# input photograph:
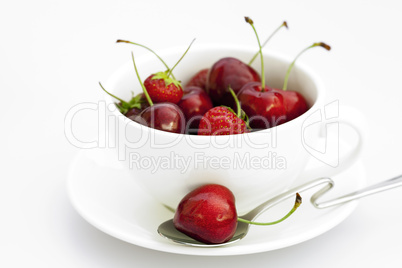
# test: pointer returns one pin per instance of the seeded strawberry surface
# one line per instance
(221, 121)
(163, 89)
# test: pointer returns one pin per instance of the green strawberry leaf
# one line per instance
(168, 80)
(135, 102)
(122, 108)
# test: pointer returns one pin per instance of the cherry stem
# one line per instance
(298, 202)
(320, 44)
(110, 94)
(267, 40)
(238, 107)
(250, 21)
(129, 42)
(142, 85)
(171, 70)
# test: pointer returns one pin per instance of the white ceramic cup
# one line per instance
(254, 166)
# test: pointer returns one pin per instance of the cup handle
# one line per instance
(334, 159)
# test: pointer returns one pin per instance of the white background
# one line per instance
(53, 53)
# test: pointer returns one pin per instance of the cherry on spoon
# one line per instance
(168, 230)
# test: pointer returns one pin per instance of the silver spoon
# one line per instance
(168, 230)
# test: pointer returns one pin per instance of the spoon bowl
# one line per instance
(170, 232)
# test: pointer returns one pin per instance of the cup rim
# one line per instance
(211, 46)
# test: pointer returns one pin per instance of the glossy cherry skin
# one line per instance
(264, 107)
(194, 104)
(133, 112)
(207, 214)
(199, 79)
(228, 72)
(163, 116)
(295, 104)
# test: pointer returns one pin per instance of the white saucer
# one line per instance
(103, 193)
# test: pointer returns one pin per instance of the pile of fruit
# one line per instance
(228, 98)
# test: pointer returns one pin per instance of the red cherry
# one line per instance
(207, 214)
(228, 72)
(194, 104)
(264, 106)
(163, 116)
(199, 79)
(133, 112)
(295, 104)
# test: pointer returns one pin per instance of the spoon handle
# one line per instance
(372, 189)
(292, 192)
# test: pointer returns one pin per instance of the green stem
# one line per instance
(171, 70)
(296, 205)
(268, 223)
(110, 94)
(267, 40)
(248, 20)
(238, 108)
(239, 113)
(285, 83)
(129, 42)
(142, 85)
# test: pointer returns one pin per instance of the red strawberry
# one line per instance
(162, 88)
(221, 121)
(199, 79)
